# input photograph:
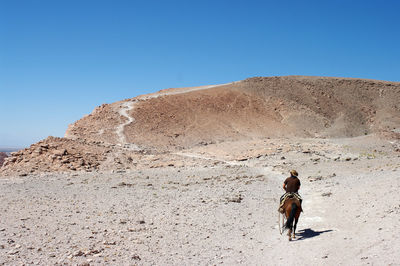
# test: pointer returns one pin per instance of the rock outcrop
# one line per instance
(55, 154)
(3, 156)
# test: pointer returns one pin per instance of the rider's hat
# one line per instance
(294, 173)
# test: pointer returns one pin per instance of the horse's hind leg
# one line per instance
(294, 227)
(290, 234)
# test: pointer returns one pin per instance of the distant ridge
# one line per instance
(10, 149)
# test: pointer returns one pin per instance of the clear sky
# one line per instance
(61, 59)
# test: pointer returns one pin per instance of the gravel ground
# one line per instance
(220, 214)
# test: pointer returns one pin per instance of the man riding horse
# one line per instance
(291, 186)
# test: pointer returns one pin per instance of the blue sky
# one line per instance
(61, 59)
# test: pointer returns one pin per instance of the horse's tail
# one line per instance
(289, 222)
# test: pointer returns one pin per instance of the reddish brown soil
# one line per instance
(200, 117)
(333, 107)
(267, 107)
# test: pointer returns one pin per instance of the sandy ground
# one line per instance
(223, 212)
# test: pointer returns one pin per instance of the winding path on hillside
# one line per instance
(123, 111)
(128, 106)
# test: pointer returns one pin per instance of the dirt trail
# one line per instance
(199, 156)
(123, 111)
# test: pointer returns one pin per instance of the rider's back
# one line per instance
(292, 184)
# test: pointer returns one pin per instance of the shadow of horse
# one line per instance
(309, 233)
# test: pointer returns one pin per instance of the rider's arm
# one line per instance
(285, 183)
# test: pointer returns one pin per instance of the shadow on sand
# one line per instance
(309, 233)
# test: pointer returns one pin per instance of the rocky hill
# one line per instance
(121, 134)
(252, 108)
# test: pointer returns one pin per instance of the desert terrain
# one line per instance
(193, 176)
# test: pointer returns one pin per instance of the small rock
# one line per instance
(13, 252)
(123, 184)
(236, 199)
(108, 243)
(79, 253)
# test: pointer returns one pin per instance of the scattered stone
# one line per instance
(78, 253)
(315, 178)
(237, 199)
(108, 243)
(123, 184)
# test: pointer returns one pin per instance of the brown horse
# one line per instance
(292, 210)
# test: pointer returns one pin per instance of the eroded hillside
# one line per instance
(256, 107)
